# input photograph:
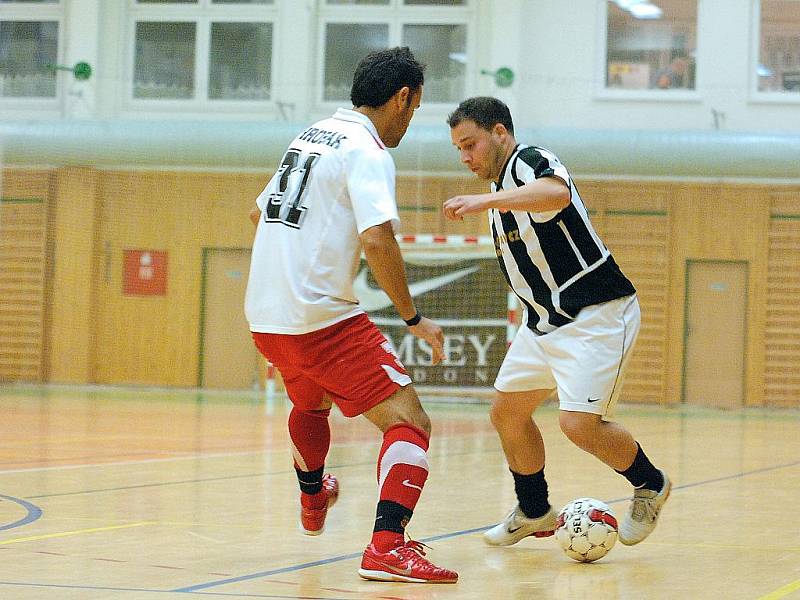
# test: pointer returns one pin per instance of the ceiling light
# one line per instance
(646, 10)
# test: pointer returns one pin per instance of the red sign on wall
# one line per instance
(144, 273)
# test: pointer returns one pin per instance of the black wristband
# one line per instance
(413, 320)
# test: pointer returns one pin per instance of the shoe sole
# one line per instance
(371, 575)
(305, 531)
(634, 542)
(536, 534)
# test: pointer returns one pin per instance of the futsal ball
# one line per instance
(586, 529)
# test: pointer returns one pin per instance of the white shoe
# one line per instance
(517, 526)
(642, 515)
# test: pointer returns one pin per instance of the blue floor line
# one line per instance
(210, 584)
(33, 513)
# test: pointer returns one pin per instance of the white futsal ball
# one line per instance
(586, 529)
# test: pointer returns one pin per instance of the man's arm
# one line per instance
(543, 195)
(386, 263)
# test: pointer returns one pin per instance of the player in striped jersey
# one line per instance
(582, 319)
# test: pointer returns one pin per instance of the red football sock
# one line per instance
(402, 472)
(311, 439)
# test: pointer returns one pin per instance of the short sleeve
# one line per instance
(261, 201)
(534, 163)
(371, 186)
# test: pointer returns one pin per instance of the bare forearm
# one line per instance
(386, 263)
(542, 195)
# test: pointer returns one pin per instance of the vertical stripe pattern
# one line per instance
(554, 262)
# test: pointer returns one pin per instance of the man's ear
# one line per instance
(403, 97)
(500, 130)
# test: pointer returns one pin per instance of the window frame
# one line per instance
(395, 15)
(202, 13)
(38, 13)
(603, 93)
(756, 95)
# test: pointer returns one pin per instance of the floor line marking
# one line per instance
(47, 536)
(151, 591)
(783, 591)
(33, 513)
(444, 536)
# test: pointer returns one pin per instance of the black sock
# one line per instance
(310, 481)
(532, 494)
(391, 516)
(642, 473)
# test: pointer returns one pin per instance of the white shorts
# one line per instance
(584, 360)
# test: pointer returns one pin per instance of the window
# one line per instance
(29, 48)
(202, 50)
(435, 30)
(778, 68)
(651, 44)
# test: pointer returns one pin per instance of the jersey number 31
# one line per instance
(285, 205)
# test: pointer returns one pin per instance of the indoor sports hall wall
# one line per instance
(66, 317)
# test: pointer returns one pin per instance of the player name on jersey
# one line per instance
(314, 135)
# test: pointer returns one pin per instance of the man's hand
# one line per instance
(456, 207)
(431, 333)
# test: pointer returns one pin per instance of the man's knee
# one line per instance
(401, 407)
(580, 428)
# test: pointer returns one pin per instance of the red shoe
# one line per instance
(404, 563)
(312, 520)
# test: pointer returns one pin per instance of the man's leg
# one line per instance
(402, 472)
(511, 415)
(615, 446)
(311, 438)
(309, 431)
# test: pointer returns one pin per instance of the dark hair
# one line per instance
(485, 111)
(381, 74)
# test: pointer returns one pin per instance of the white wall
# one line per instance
(562, 85)
(556, 50)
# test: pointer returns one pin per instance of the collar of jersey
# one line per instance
(353, 116)
(499, 183)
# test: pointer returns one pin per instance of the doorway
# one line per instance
(715, 333)
(228, 357)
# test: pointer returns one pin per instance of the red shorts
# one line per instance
(350, 361)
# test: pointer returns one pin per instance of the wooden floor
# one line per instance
(114, 493)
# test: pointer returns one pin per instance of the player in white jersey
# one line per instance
(581, 321)
(332, 196)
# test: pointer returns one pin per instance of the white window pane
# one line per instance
(242, 1)
(345, 45)
(26, 50)
(164, 60)
(779, 54)
(30, 1)
(241, 59)
(440, 47)
(651, 44)
(166, 1)
(358, 2)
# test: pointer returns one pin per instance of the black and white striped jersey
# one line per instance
(554, 262)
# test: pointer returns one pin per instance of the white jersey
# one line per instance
(335, 181)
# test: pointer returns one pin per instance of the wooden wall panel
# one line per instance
(640, 246)
(155, 339)
(719, 222)
(782, 351)
(24, 200)
(653, 228)
(72, 302)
